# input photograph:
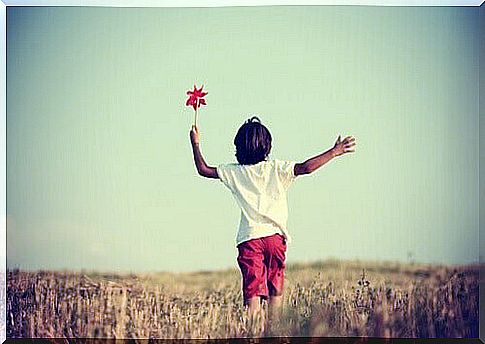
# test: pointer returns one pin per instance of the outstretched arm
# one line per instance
(202, 168)
(316, 162)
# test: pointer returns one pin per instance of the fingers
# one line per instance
(349, 139)
(349, 142)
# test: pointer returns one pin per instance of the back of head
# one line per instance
(253, 142)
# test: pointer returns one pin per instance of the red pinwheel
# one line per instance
(196, 99)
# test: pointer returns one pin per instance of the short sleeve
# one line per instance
(226, 175)
(286, 171)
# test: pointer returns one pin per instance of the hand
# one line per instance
(342, 147)
(194, 135)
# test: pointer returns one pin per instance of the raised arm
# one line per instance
(202, 168)
(316, 162)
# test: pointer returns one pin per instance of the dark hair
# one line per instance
(253, 142)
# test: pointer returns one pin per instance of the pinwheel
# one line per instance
(196, 99)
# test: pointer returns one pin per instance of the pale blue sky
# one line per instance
(100, 172)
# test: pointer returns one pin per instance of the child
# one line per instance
(259, 187)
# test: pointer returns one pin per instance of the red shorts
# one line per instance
(262, 264)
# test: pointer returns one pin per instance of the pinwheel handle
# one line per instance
(196, 110)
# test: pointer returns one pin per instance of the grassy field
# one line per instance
(330, 298)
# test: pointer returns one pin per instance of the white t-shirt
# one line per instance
(260, 191)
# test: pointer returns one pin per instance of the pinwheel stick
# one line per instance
(196, 108)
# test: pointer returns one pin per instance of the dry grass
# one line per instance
(331, 298)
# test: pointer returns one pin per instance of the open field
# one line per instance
(330, 298)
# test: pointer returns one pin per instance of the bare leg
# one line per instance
(275, 303)
(256, 315)
(274, 308)
(254, 305)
